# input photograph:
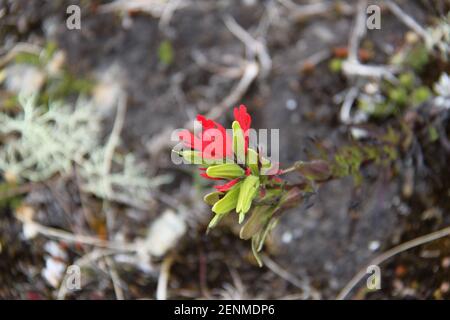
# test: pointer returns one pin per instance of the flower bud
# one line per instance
(252, 161)
(257, 221)
(228, 202)
(238, 143)
(249, 189)
(316, 170)
(225, 171)
(193, 157)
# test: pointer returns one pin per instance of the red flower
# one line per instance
(214, 143)
(227, 186)
(243, 117)
(245, 120)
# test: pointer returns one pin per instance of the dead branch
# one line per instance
(389, 254)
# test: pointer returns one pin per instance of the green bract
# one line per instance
(225, 171)
(212, 198)
(229, 201)
(194, 157)
(249, 190)
(252, 161)
(238, 143)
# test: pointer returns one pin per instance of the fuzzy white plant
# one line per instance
(439, 37)
(442, 89)
(38, 143)
(129, 184)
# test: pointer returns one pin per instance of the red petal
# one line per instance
(245, 120)
(206, 123)
(243, 117)
(189, 139)
(227, 186)
(226, 149)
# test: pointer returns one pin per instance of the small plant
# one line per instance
(251, 184)
(39, 142)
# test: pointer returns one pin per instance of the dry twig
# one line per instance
(389, 254)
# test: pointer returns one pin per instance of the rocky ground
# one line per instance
(317, 248)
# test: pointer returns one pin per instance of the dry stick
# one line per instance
(408, 20)
(358, 31)
(110, 148)
(70, 237)
(167, 13)
(17, 191)
(227, 72)
(302, 12)
(275, 268)
(163, 279)
(115, 279)
(81, 262)
(352, 66)
(251, 71)
(19, 48)
(389, 254)
(252, 45)
(350, 97)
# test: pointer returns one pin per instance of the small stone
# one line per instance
(446, 262)
(374, 245)
(53, 271)
(291, 104)
(286, 237)
(164, 233)
(412, 37)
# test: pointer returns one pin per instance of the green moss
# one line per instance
(165, 53)
(6, 201)
(417, 57)
(420, 95)
(335, 65)
(433, 134)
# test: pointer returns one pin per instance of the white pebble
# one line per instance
(291, 104)
(374, 245)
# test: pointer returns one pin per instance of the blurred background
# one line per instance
(90, 92)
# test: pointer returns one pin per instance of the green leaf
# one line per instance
(238, 142)
(249, 189)
(433, 134)
(225, 171)
(193, 157)
(259, 239)
(215, 221)
(212, 198)
(258, 219)
(407, 80)
(420, 95)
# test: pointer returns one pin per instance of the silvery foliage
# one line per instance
(442, 89)
(39, 143)
(127, 182)
(439, 37)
